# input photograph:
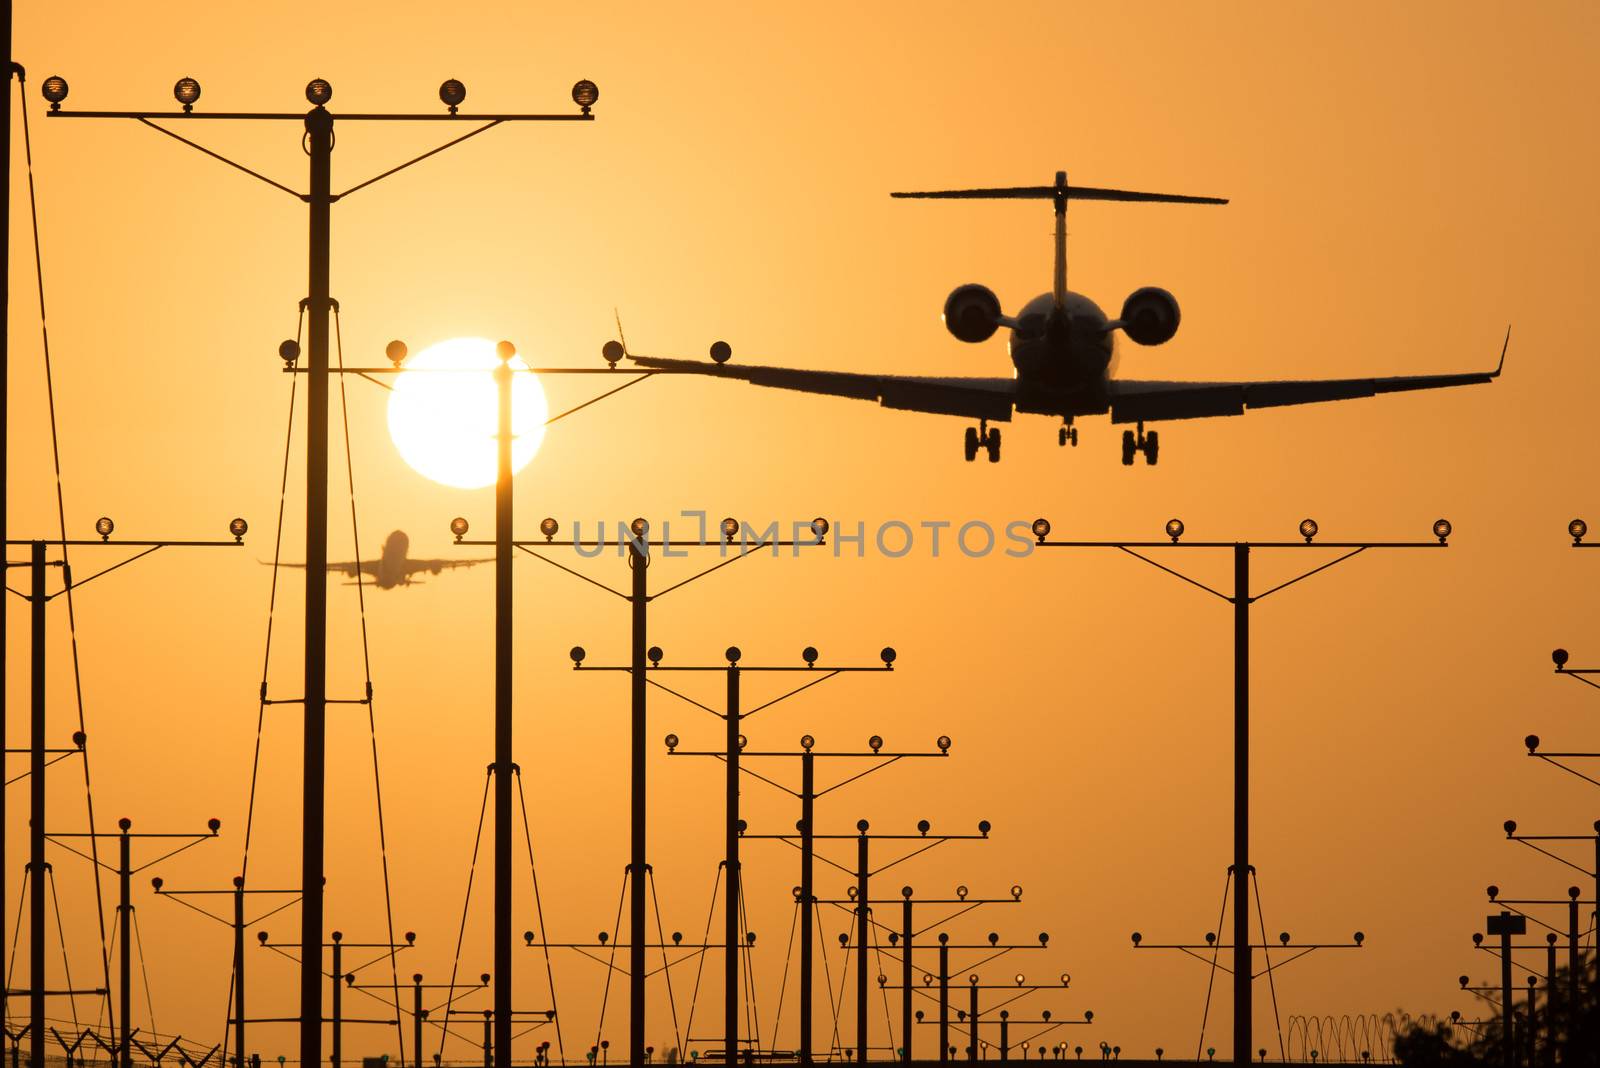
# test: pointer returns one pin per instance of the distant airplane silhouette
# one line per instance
(393, 567)
(1063, 348)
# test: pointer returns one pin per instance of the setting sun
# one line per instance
(444, 424)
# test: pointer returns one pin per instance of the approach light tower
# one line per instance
(318, 124)
(1240, 599)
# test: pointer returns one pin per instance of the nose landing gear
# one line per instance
(1067, 435)
(982, 437)
(1149, 444)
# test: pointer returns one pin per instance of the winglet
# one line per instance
(1502, 364)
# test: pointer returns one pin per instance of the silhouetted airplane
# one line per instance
(1063, 348)
(393, 567)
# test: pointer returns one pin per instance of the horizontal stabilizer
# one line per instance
(1060, 190)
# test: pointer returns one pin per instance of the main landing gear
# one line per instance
(981, 436)
(1067, 435)
(1149, 444)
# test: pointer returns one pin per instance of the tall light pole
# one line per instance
(1241, 600)
(318, 124)
(731, 752)
(38, 596)
(804, 839)
(639, 546)
(125, 871)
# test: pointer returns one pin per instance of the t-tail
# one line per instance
(1059, 194)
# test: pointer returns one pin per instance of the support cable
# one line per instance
(783, 981)
(747, 953)
(16, 931)
(61, 936)
(366, 669)
(611, 962)
(1266, 953)
(1211, 979)
(149, 1003)
(838, 1000)
(272, 605)
(666, 971)
(538, 907)
(877, 960)
(61, 516)
(461, 932)
(705, 939)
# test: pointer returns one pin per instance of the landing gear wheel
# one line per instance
(1061, 436)
(1072, 436)
(1152, 445)
(993, 445)
(1128, 447)
(972, 444)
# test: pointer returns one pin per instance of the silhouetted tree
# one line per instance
(1566, 1032)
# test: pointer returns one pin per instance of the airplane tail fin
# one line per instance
(1060, 192)
(621, 337)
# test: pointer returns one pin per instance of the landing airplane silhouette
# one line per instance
(393, 567)
(1063, 349)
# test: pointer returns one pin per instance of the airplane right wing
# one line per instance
(977, 398)
(1149, 401)
(436, 566)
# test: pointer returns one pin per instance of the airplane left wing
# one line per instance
(977, 398)
(1144, 401)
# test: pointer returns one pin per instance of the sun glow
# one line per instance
(444, 423)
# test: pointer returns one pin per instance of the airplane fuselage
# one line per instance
(1064, 357)
(392, 569)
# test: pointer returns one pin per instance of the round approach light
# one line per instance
(1442, 529)
(640, 527)
(104, 526)
(1560, 656)
(672, 742)
(459, 527)
(318, 91)
(238, 528)
(819, 527)
(807, 742)
(1577, 528)
(943, 743)
(396, 351)
(1041, 528)
(961, 892)
(733, 654)
(504, 350)
(1174, 529)
(54, 89)
(875, 743)
(577, 654)
(729, 528)
(655, 654)
(888, 655)
(549, 527)
(721, 352)
(289, 352)
(584, 94)
(1308, 529)
(452, 93)
(613, 351)
(186, 91)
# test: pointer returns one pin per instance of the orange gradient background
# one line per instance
(1406, 180)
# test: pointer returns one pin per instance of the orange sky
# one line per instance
(1406, 180)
